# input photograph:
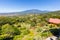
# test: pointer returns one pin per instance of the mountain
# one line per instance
(32, 11)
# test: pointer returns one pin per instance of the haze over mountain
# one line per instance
(32, 11)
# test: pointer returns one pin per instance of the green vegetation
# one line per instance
(28, 27)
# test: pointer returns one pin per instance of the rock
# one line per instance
(48, 38)
(52, 38)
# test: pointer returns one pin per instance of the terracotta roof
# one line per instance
(54, 20)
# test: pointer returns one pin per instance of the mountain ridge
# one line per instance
(32, 11)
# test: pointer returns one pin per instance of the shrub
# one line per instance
(8, 29)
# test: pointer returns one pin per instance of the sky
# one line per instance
(22, 5)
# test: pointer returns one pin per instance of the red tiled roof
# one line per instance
(54, 20)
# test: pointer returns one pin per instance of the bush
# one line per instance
(8, 29)
(18, 37)
(4, 36)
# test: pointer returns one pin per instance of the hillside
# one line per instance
(29, 27)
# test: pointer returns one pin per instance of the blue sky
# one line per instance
(21, 5)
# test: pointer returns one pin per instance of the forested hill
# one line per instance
(54, 14)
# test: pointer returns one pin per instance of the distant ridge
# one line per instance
(32, 11)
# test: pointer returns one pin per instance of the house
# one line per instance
(54, 20)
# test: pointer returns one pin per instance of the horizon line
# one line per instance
(27, 10)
